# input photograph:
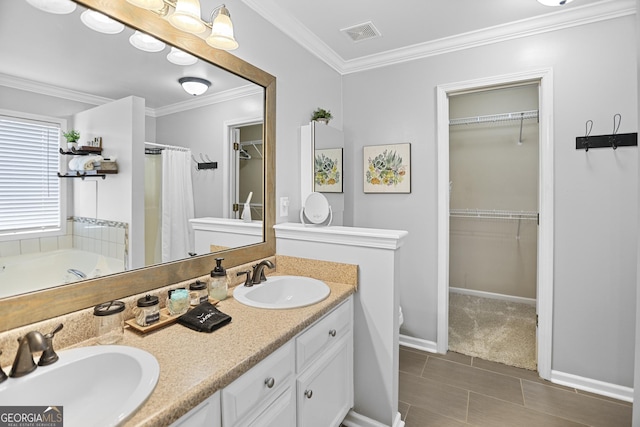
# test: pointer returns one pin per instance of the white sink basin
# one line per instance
(101, 385)
(280, 292)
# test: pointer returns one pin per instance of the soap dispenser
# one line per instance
(218, 286)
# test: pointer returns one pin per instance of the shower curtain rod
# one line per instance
(504, 117)
(169, 147)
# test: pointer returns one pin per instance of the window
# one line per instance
(30, 190)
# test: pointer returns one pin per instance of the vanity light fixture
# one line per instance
(221, 36)
(145, 42)
(554, 2)
(101, 23)
(180, 57)
(185, 15)
(60, 7)
(194, 85)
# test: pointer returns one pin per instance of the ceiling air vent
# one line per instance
(361, 32)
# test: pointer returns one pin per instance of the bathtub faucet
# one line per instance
(77, 273)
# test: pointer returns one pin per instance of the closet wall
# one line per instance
(494, 168)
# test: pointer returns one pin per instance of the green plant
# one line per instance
(72, 135)
(321, 113)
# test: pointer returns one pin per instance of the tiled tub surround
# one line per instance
(108, 238)
(195, 365)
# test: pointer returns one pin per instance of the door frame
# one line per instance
(229, 179)
(544, 306)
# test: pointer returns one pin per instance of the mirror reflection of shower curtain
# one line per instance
(177, 205)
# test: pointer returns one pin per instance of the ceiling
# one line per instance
(417, 28)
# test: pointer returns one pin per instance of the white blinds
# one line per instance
(29, 183)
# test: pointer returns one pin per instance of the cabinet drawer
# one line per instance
(242, 395)
(321, 336)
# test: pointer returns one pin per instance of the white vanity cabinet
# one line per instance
(206, 413)
(324, 361)
(308, 382)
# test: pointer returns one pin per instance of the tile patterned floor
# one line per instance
(456, 390)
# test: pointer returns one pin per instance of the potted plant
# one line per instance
(72, 138)
(321, 115)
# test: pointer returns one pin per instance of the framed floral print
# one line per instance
(387, 168)
(327, 170)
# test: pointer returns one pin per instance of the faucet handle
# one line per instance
(247, 282)
(49, 355)
(3, 376)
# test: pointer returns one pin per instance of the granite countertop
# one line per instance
(194, 365)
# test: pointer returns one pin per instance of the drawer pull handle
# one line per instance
(308, 393)
(332, 332)
(270, 382)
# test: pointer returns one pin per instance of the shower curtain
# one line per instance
(177, 205)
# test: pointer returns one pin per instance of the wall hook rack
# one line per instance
(613, 140)
(205, 164)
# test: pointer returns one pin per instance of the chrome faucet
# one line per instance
(258, 271)
(23, 364)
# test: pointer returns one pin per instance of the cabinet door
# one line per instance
(279, 413)
(206, 414)
(325, 390)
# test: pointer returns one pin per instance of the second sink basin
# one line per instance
(280, 292)
(99, 385)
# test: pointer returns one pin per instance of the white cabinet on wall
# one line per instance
(205, 414)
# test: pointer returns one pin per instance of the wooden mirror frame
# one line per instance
(28, 308)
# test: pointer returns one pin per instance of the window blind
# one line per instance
(29, 183)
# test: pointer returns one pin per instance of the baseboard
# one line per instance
(503, 297)
(353, 419)
(593, 386)
(418, 343)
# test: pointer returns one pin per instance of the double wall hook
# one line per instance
(613, 140)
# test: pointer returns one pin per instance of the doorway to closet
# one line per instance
(493, 216)
(461, 231)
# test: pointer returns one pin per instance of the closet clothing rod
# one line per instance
(504, 117)
(169, 147)
(493, 214)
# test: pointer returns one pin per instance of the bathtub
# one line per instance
(32, 272)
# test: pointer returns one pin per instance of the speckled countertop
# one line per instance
(194, 365)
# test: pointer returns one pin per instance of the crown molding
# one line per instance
(73, 95)
(554, 21)
(204, 100)
(50, 90)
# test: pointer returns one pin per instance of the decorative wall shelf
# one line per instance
(87, 174)
(82, 151)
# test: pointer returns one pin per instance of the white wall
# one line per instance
(595, 192)
(121, 126)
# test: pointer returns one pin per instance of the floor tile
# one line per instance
(411, 362)
(479, 380)
(610, 399)
(453, 357)
(403, 408)
(491, 412)
(574, 406)
(524, 374)
(433, 396)
(419, 417)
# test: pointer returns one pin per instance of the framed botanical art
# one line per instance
(387, 168)
(327, 170)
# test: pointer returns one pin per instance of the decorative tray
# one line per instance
(166, 319)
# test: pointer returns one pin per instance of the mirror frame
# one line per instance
(21, 310)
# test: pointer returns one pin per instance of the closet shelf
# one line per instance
(493, 214)
(504, 117)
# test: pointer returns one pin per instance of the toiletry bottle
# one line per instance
(198, 293)
(147, 310)
(109, 322)
(218, 285)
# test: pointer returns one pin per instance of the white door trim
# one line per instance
(228, 178)
(546, 230)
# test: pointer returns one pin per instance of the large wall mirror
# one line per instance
(129, 103)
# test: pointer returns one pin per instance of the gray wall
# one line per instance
(595, 193)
